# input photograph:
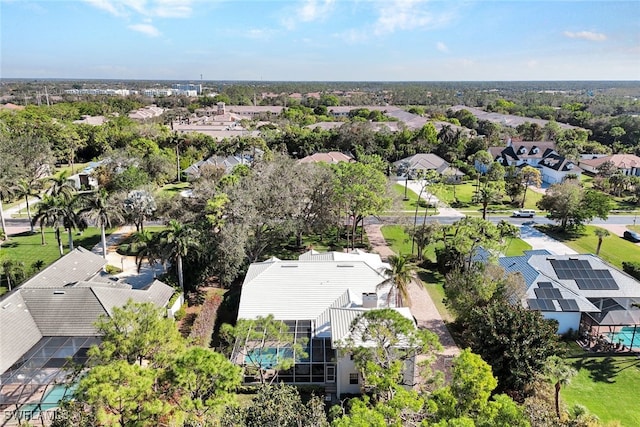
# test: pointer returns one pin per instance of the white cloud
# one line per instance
(172, 8)
(147, 8)
(146, 29)
(309, 11)
(107, 5)
(586, 35)
(442, 47)
(407, 15)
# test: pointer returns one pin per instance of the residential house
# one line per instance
(555, 168)
(627, 164)
(318, 296)
(542, 155)
(227, 163)
(580, 292)
(331, 157)
(49, 322)
(146, 113)
(413, 166)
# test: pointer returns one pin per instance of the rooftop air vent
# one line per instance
(7, 305)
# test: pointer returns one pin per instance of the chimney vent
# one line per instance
(369, 300)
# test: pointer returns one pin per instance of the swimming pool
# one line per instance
(625, 336)
(50, 400)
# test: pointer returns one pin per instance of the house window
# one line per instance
(353, 378)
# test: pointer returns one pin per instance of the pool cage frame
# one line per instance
(613, 322)
(51, 362)
(308, 368)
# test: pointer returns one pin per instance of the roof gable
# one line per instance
(18, 330)
(79, 265)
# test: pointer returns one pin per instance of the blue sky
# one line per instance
(386, 40)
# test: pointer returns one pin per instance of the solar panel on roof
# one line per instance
(568, 305)
(545, 285)
(597, 284)
(548, 293)
(533, 304)
(547, 305)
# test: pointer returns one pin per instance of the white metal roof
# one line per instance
(302, 290)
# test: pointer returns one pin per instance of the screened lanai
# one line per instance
(615, 329)
(312, 367)
(41, 377)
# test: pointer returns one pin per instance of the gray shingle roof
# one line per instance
(157, 293)
(79, 265)
(64, 312)
(18, 330)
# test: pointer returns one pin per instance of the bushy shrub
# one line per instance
(631, 268)
(202, 328)
(179, 315)
(112, 269)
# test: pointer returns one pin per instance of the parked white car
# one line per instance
(524, 213)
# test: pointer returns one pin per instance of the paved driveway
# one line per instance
(539, 240)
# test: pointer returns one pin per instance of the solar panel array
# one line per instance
(546, 304)
(548, 293)
(541, 304)
(568, 305)
(586, 277)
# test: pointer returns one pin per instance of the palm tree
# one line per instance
(490, 193)
(560, 373)
(179, 240)
(399, 276)
(601, 233)
(71, 219)
(60, 186)
(6, 192)
(529, 176)
(97, 209)
(49, 214)
(13, 271)
(146, 247)
(27, 189)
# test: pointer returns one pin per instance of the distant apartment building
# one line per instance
(188, 87)
(109, 92)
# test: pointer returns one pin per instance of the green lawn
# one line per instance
(410, 204)
(607, 387)
(464, 193)
(27, 247)
(614, 249)
(171, 189)
(516, 247)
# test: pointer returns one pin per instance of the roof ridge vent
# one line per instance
(289, 265)
(345, 265)
(58, 292)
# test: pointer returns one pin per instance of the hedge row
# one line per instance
(631, 268)
(202, 328)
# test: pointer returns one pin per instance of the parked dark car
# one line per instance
(632, 236)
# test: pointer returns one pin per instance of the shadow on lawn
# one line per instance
(606, 368)
(600, 370)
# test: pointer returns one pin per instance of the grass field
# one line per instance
(607, 387)
(614, 249)
(516, 247)
(27, 247)
(464, 193)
